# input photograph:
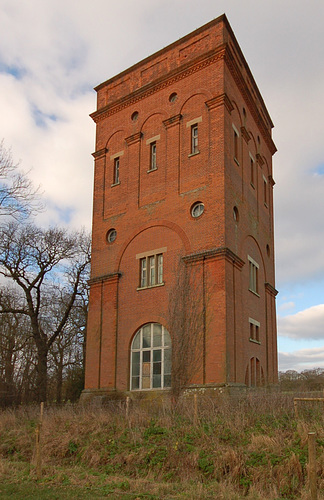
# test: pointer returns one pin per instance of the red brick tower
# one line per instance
(183, 171)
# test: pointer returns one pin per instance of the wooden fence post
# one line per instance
(295, 408)
(312, 465)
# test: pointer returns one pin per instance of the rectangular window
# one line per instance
(143, 280)
(236, 145)
(252, 171)
(151, 271)
(253, 276)
(160, 268)
(265, 191)
(116, 171)
(254, 330)
(153, 165)
(194, 139)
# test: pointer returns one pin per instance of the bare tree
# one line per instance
(67, 352)
(37, 260)
(18, 197)
(14, 339)
(186, 323)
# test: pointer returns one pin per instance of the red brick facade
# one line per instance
(186, 125)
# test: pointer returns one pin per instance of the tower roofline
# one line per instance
(169, 47)
(205, 28)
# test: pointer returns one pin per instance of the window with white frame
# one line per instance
(254, 327)
(151, 270)
(152, 144)
(194, 139)
(235, 144)
(151, 358)
(116, 167)
(153, 165)
(193, 126)
(116, 171)
(253, 276)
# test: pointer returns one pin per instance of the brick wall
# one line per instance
(202, 79)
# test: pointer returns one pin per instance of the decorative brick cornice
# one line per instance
(174, 120)
(220, 100)
(100, 153)
(132, 139)
(165, 81)
(112, 278)
(216, 254)
(245, 134)
(223, 52)
(270, 289)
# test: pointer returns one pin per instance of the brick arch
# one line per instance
(249, 236)
(200, 92)
(237, 109)
(163, 114)
(254, 375)
(112, 136)
(171, 225)
(255, 147)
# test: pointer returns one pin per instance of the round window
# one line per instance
(197, 209)
(173, 97)
(134, 116)
(111, 235)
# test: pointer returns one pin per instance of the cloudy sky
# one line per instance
(52, 54)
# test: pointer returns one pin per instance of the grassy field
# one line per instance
(252, 446)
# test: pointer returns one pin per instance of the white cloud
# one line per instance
(58, 50)
(303, 359)
(286, 306)
(307, 324)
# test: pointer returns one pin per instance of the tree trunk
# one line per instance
(42, 353)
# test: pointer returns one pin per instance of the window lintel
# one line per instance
(153, 139)
(117, 155)
(150, 253)
(250, 259)
(195, 121)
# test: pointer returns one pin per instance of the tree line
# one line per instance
(43, 297)
(304, 381)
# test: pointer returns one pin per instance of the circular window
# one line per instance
(197, 209)
(173, 97)
(111, 235)
(134, 116)
(235, 214)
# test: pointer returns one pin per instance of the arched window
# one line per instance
(151, 358)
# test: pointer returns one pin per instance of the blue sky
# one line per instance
(52, 54)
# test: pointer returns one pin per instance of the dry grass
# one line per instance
(242, 447)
